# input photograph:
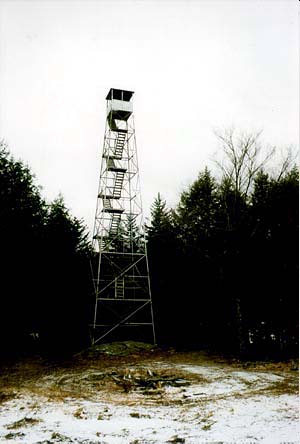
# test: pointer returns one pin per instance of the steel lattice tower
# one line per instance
(120, 263)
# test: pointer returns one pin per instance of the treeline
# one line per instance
(224, 262)
(45, 299)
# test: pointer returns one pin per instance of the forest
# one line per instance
(223, 262)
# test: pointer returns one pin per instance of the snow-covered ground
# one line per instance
(216, 404)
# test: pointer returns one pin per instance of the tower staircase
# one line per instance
(119, 145)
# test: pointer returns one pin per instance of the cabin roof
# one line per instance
(119, 94)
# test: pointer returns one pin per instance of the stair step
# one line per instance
(120, 143)
(113, 210)
(119, 288)
(107, 203)
(117, 169)
(120, 131)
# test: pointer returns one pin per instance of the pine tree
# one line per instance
(44, 260)
(273, 312)
(22, 220)
(164, 259)
(132, 235)
(67, 250)
(195, 214)
(160, 217)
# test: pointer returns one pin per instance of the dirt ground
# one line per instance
(133, 393)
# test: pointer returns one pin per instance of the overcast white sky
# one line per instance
(194, 66)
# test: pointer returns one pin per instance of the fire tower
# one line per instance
(123, 307)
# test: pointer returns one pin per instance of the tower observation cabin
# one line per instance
(119, 106)
(123, 305)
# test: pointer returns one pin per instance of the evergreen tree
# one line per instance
(195, 219)
(44, 252)
(164, 260)
(273, 314)
(195, 214)
(22, 219)
(65, 321)
(231, 246)
(224, 266)
(132, 235)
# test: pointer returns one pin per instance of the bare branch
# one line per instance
(287, 162)
(242, 157)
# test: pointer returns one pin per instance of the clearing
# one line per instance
(129, 393)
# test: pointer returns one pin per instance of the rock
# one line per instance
(176, 439)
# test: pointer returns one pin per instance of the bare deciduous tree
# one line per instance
(288, 159)
(244, 156)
